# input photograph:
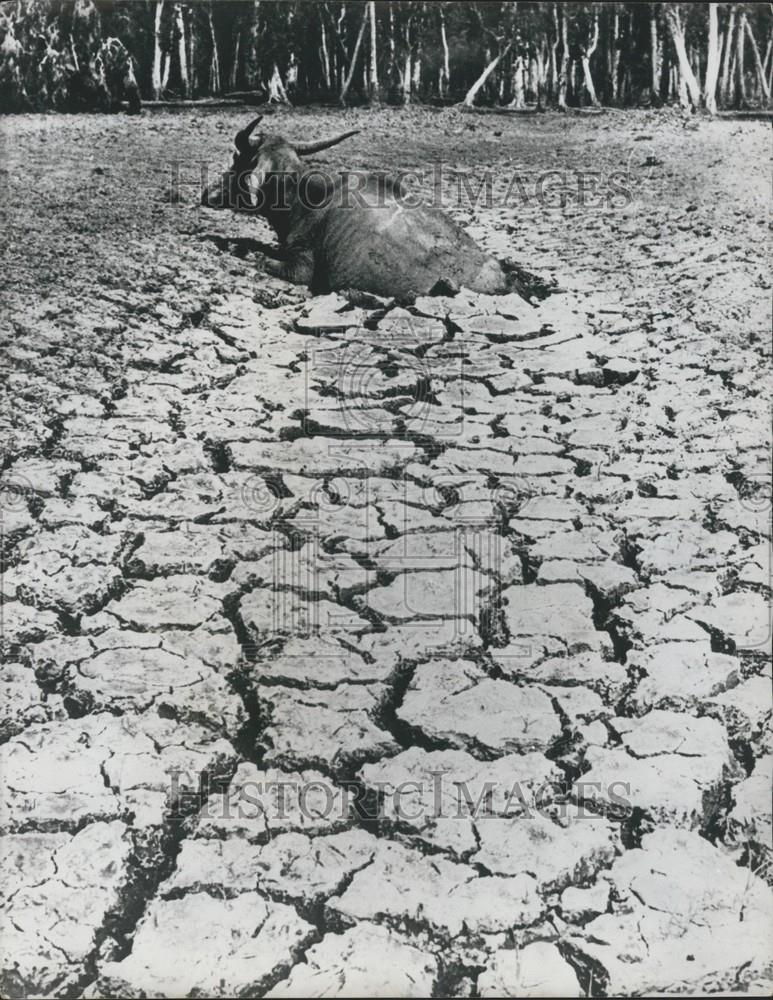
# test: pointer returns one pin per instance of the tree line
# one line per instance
(72, 54)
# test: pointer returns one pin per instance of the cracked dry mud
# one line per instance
(269, 559)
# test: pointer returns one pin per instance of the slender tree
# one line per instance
(353, 65)
(740, 37)
(562, 35)
(324, 52)
(712, 62)
(214, 59)
(182, 49)
(444, 75)
(406, 71)
(654, 51)
(157, 52)
(728, 49)
(251, 46)
(586, 52)
(689, 86)
(519, 83)
(761, 77)
(374, 91)
(503, 46)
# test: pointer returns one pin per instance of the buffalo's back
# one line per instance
(402, 250)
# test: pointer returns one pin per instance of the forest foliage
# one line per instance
(81, 54)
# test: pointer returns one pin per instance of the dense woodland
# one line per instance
(81, 54)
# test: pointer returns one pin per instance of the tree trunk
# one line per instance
(374, 91)
(519, 97)
(770, 77)
(251, 47)
(531, 74)
(214, 60)
(720, 60)
(732, 74)
(394, 70)
(684, 97)
(165, 71)
(740, 94)
(712, 62)
(665, 66)
(444, 76)
(156, 82)
(416, 73)
(767, 63)
(757, 60)
(472, 93)
(182, 54)
(277, 93)
(695, 62)
(613, 57)
(654, 60)
(406, 73)
(353, 64)
(587, 52)
(339, 55)
(407, 76)
(540, 54)
(691, 87)
(727, 76)
(575, 91)
(192, 78)
(553, 67)
(234, 73)
(324, 54)
(291, 75)
(559, 19)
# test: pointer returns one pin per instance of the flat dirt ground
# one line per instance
(252, 536)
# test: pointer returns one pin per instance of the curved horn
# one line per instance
(307, 148)
(242, 140)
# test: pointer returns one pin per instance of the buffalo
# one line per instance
(350, 231)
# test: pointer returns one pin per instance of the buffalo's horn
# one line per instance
(307, 148)
(242, 140)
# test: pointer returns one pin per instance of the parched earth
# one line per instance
(353, 648)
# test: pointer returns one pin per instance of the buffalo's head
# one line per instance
(262, 167)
